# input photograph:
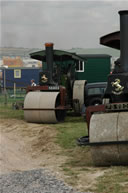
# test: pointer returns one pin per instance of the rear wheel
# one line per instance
(95, 101)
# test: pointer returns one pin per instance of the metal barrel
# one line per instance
(49, 59)
(124, 39)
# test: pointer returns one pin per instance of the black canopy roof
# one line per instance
(58, 55)
(111, 40)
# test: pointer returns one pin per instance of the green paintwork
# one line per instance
(96, 67)
(95, 70)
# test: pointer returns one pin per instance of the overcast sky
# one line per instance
(68, 24)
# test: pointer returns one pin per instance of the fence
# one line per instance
(11, 103)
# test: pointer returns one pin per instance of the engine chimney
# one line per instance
(49, 60)
(124, 39)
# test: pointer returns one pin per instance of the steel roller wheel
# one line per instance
(109, 127)
(78, 93)
(41, 107)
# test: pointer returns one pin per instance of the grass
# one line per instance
(115, 181)
(79, 162)
(7, 112)
(69, 131)
(6, 107)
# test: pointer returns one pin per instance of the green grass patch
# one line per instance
(69, 131)
(7, 112)
(115, 181)
(6, 106)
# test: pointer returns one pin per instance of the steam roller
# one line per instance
(108, 123)
(49, 101)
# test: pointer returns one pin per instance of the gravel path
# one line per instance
(33, 181)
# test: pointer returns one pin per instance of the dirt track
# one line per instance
(26, 146)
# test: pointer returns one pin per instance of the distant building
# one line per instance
(31, 63)
(12, 62)
(21, 76)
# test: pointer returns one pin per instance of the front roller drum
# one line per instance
(43, 107)
(109, 138)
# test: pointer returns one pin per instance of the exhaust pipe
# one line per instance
(49, 60)
(124, 39)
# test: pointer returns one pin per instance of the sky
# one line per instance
(68, 24)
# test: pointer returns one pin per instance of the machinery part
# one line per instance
(105, 101)
(43, 107)
(117, 89)
(95, 101)
(90, 110)
(108, 126)
(94, 93)
(78, 95)
(110, 132)
(46, 77)
(124, 39)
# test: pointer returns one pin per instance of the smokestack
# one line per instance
(124, 39)
(49, 59)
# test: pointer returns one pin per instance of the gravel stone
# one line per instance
(33, 181)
